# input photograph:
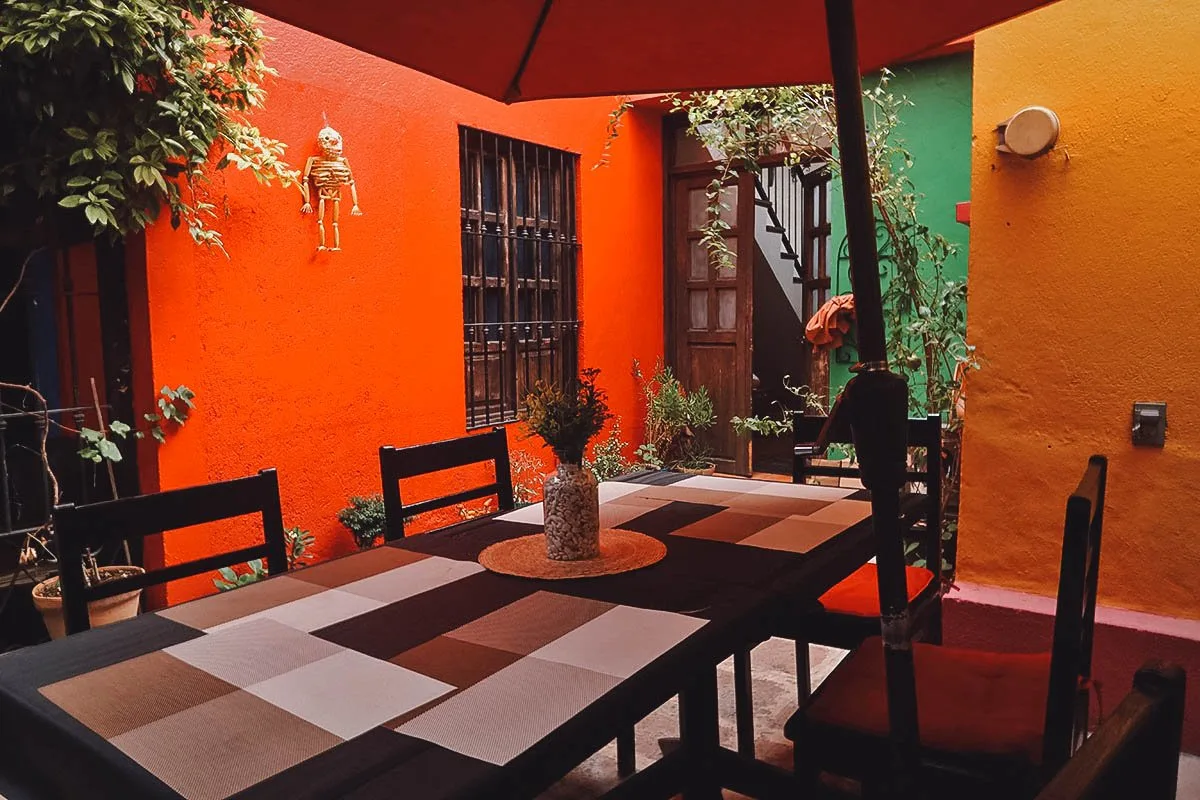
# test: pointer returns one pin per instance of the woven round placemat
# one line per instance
(620, 551)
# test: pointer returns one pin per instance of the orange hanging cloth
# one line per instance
(831, 322)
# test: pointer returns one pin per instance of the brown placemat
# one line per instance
(620, 551)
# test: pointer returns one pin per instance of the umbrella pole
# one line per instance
(875, 400)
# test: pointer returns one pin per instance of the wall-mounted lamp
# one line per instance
(1029, 133)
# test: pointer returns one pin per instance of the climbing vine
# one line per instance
(115, 110)
(925, 312)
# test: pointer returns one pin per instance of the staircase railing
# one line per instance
(781, 195)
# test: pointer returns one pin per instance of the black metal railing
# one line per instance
(796, 199)
(781, 194)
(26, 491)
(504, 360)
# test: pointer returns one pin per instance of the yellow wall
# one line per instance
(1085, 296)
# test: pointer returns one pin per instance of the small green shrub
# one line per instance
(674, 416)
(608, 459)
(365, 519)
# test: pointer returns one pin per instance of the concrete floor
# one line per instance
(774, 702)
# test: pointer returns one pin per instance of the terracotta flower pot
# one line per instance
(101, 612)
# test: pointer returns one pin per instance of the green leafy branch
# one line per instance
(174, 408)
(299, 544)
(117, 108)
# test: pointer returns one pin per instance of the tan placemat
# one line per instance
(620, 551)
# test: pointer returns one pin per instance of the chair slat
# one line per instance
(448, 500)
(398, 463)
(78, 528)
(176, 571)
(167, 511)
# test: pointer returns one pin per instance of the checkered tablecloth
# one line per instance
(410, 668)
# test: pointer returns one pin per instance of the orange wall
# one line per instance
(309, 361)
(1085, 298)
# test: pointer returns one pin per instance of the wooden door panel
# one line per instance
(710, 308)
(716, 364)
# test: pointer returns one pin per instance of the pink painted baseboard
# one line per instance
(1006, 621)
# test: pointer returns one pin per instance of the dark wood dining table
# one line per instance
(410, 671)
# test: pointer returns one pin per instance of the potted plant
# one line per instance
(566, 420)
(174, 407)
(365, 518)
(674, 418)
(47, 598)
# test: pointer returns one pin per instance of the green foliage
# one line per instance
(299, 544)
(781, 425)
(674, 416)
(925, 313)
(231, 579)
(527, 473)
(608, 459)
(612, 129)
(114, 108)
(567, 419)
(174, 405)
(365, 519)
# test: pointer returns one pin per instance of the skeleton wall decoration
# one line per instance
(327, 173)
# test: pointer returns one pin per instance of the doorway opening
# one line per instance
(737, 328)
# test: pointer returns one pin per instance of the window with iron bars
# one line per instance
(520, 251)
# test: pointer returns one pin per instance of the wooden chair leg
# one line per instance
(803, 673)
(743, 690)
(626, 754)
(805, 773)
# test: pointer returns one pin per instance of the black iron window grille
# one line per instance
(520, 252)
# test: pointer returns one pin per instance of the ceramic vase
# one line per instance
(571, 503)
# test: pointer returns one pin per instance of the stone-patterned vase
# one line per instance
(571, 506)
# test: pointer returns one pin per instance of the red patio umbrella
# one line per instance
(515, 50)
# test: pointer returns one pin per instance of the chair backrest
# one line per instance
(79, 528)
(397, 463)
(1135, 751)
(923, 432)
(1075, 617)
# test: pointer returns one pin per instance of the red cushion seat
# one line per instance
(858, 595)
(968, 701)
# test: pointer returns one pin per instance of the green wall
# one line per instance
(937, 131)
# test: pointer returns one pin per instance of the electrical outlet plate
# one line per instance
(1149, 424)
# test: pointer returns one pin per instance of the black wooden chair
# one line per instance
(1135, 751)
(991, 724)
(78, 529)
(398, 463)
(849, 612)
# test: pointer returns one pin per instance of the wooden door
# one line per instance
(710, 309)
